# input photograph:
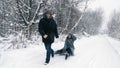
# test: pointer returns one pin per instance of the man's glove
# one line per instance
(57, 36)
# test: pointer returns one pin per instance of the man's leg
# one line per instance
(48, 49)
(49, 52)
(52, 52)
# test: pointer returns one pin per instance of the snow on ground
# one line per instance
(93, 52)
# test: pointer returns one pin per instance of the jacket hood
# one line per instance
(44, 15)
(70, 34)
(73, 37)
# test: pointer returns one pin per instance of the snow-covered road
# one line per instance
(93, 52)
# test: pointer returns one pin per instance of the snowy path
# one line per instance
(93, 52)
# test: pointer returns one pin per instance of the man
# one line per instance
(48, 30)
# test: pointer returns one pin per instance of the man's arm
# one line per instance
(40, 28)
(56, 31)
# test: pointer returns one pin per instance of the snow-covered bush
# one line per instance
(19, 41)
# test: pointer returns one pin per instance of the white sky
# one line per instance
(108, 7)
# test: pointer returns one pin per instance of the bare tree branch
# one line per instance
(25, 4)
(21, 14)
(86, 4)
(37, 11)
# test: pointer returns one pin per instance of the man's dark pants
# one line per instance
(49, 52)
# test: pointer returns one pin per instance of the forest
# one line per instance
(19, 20)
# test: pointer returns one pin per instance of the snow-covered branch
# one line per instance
(21, 13)
(25, 4)
(86, 5)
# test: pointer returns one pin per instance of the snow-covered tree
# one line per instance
(28, 11)
(114, 25)
(8, 17)
(91, 22)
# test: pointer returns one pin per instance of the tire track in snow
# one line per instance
(116, 51)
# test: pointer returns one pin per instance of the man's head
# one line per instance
(48, 14)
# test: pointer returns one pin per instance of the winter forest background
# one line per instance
(19, 20)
